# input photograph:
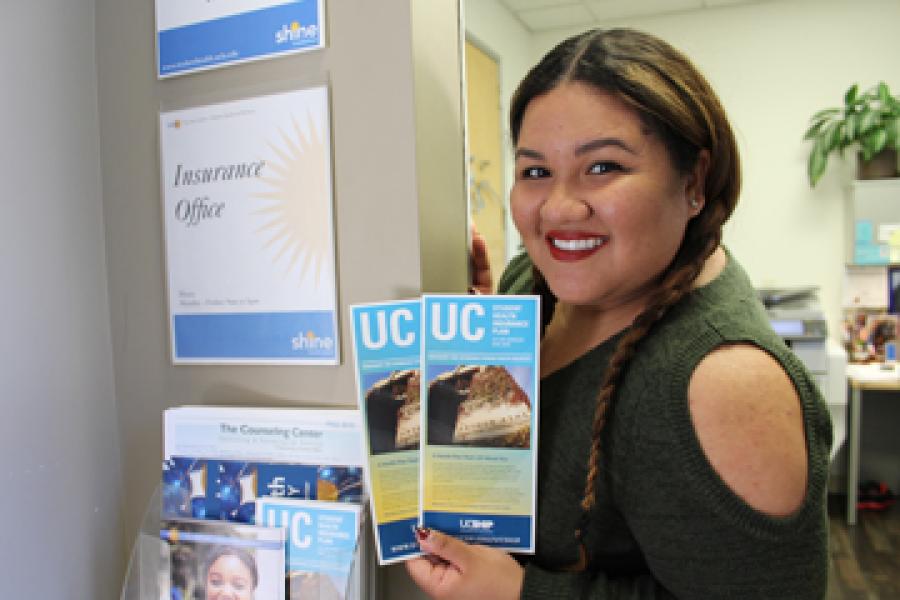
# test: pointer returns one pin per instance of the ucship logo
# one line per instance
(480, 524)
(311, 342)
(295, 32)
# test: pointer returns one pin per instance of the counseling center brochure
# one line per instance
(247, 208)
(386, 350)
(479, 391)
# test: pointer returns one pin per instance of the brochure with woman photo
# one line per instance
(219, 559)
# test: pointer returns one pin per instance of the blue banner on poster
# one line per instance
(260, 336)
(193, 39)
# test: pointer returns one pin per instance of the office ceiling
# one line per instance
(543, 15)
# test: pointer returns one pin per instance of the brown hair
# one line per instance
(675, 101)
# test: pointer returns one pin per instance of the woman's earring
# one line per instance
(695, 202)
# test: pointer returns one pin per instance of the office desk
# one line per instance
(861, 378)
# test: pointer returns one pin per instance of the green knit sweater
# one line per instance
(665, 525)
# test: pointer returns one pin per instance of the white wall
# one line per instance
(61, 500)
(773, 65)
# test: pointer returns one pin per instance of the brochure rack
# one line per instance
(147, 576)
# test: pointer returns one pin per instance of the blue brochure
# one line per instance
(321, 545)
(386, 351)
(479, 418)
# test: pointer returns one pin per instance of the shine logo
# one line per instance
(295, 32)
(310, 342)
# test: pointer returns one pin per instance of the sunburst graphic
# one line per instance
(297, 216)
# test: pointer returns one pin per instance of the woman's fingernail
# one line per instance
(422, 533)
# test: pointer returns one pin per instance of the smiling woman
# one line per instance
(231, 574)
(599, 205)
(683, 449)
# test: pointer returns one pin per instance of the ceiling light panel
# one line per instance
(543, 19)
(517, 5)
(604, 10)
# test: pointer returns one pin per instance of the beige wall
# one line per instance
(379, 175)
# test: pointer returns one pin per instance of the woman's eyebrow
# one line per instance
(582, 149)
(528, 153)
(603, 143)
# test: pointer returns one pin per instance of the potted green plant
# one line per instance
(869, 120)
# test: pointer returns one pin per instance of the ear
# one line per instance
(695, 183)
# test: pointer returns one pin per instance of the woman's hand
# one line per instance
(454, 570)
(482, 282)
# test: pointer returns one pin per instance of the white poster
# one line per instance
(247, 203)
(194, 35)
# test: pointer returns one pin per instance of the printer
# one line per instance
(796, 315)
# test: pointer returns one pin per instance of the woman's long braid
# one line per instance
(701, 240)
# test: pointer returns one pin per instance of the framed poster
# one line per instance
(248, 217)
(196, 35)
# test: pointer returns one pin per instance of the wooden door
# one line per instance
(487, 204)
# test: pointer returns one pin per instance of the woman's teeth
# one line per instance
(575, 245)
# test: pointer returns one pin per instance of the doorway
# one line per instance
(487, 202)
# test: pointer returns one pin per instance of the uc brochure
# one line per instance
(298, 470)
(386, 350)
(321, 543)
(479, 395)
(448, 389)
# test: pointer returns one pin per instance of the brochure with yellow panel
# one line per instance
(386, 351)
(479, 390)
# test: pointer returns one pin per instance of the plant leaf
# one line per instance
(814, 130)
(852, 128)
(869, 120)
(893, 133)
(850, 95)
(893, 105)
(827, 112)
(816, 166)
(837, 136)
(883, 92)
(873, 143)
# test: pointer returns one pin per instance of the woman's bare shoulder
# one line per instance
(749, 421)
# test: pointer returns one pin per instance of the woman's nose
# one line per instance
(563, 204)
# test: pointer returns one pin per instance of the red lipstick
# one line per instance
(570, 246)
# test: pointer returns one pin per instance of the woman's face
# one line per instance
(600, 207)
(229, 579)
